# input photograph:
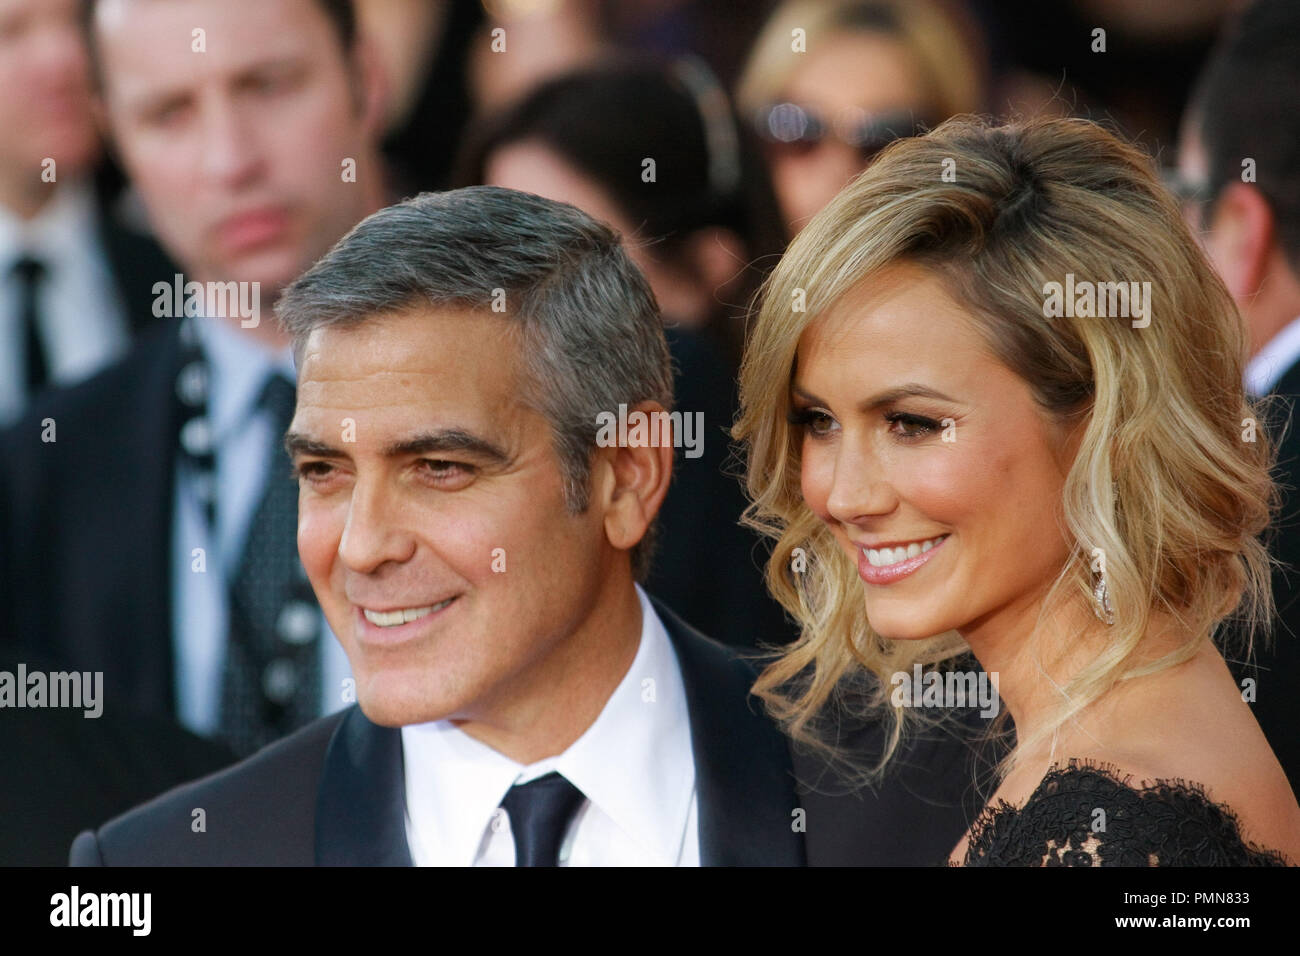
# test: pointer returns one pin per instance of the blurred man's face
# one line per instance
(237, 148)
(432, 521)
(45, 98)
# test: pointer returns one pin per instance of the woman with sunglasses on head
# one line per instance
(830, 82)
(1071, 491)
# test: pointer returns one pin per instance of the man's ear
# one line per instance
(639, 472)
(373, 86)
(1241, 236)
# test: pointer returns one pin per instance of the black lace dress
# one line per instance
(1086, 815)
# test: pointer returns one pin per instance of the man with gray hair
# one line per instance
(521, 700)
(476, 549)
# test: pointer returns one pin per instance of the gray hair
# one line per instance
(592, 335)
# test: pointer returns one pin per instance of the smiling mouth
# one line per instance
(886, 557)
(402, 615)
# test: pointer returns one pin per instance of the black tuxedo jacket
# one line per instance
(1276, 668)
(333, 794)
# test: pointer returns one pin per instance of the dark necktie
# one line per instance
(271, 679)
(30, 273)
(539, 812)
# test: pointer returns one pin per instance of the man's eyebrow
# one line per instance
(887, 397)
(296, 443)
(445, 440)
(441, 441)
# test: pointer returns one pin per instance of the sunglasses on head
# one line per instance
(795, 128)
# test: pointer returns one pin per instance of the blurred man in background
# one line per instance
(73, 286)
(1240, 176)
(149, 518)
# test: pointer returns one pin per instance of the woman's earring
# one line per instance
(1100, 593)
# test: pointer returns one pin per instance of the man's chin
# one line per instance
(400, 707)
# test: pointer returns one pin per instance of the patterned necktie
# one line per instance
(271, 680)
(30, 273)
(539, 812)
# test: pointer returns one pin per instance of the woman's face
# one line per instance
(852, 75)
(929, 460)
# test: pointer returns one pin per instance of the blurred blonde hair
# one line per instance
(944, 44)
(1162, 481)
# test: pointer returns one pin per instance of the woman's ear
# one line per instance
(640, 466)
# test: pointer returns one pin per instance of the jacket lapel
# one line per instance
(361, 804)
(743, 775)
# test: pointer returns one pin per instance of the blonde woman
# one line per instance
(982, 443)
(830, 82)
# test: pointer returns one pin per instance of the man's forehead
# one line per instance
(190, 40)
(414, 362)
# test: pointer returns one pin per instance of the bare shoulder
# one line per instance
(1194, 729)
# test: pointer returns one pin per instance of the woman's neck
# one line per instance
(1033, 661)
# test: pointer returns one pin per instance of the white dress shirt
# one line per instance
(83, 321)
(1274, 360)
(241, 432)
(634, 764)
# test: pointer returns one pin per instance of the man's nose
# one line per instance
(860, 487)
(229, 148)
(375, 532)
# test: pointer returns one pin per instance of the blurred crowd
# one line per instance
(235, 141)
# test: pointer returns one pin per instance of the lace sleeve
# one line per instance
(1086, 815)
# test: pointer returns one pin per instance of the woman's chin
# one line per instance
(897, 625)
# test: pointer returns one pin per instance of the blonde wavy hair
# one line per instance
(1168, 480)
(942, 41)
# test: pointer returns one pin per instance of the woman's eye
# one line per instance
(911, 426)
(814, 421)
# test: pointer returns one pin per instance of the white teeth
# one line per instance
(402, 616)
(884, 557)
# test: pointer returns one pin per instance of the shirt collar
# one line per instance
(65, 230)
(634, 762)
(238, 365)
(1272, 361)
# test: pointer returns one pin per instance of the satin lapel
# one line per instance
(361, 804)
(743, 775)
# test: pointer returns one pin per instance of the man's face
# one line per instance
(428, 491)
(233, 120)
(45, 109)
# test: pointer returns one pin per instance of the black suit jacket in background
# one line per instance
(707, 567)
(333, 794)
(61, 771)
(1276, 667)
(86, 524)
